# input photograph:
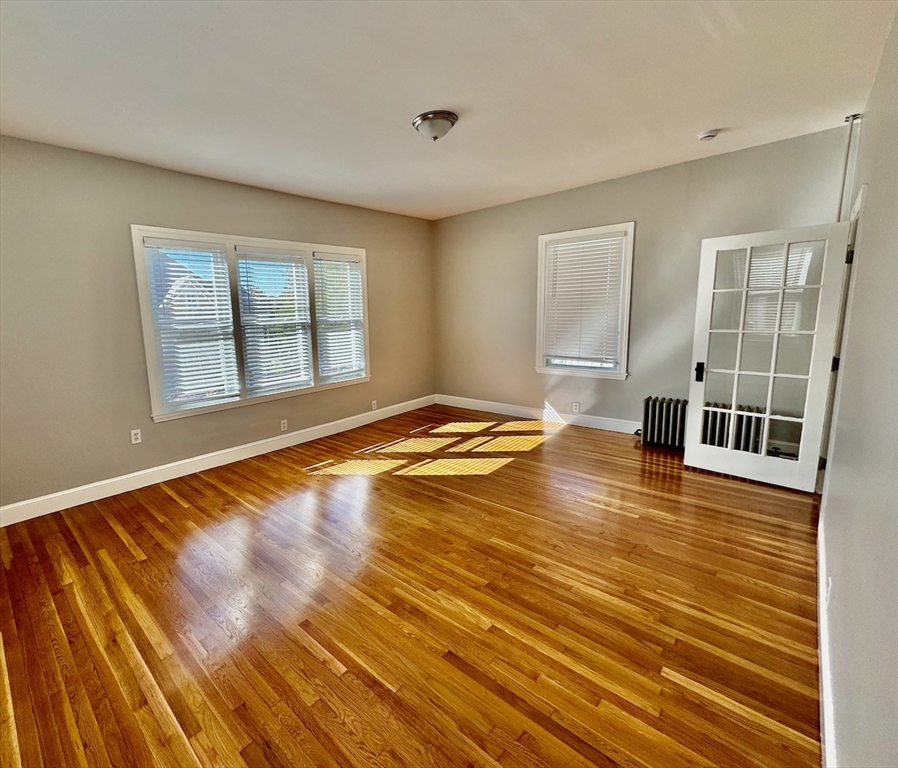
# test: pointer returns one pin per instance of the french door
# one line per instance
(765, 328)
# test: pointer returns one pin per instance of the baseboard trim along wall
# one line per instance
(827, 711)
(54, 502)
(547, 413)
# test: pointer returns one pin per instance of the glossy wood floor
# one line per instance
(585, 604)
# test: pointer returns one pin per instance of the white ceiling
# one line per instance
(317, 98)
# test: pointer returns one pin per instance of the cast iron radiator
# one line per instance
(664, 422)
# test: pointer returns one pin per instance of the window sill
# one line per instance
(583, 374)
(172, 415)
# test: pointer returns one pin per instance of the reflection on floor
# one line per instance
(464, 426)
(527, 426)
(512, 443)
(455, 467)
(418, 445)
(360, 467)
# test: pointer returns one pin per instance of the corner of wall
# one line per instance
(435, 257)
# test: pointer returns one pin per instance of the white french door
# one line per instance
(765, 329)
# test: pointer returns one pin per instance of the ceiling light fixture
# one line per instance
(434, 125)
(708, 135)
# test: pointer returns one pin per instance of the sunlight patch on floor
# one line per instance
(511, 443)
(361, 467)
(528, 426)
(468, 445)
(455, 467)
(419, 445)
(464, 426)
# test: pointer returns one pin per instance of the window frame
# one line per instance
(305, 252)
(626, 281)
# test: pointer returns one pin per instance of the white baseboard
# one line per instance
(53, 502)
(827, 712)
(578, 419)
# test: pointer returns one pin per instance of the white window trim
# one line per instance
(234, 243)
(544, 242)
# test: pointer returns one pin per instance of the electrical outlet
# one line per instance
(283, 425)
(576, 407)
(374, 405)
(135, 437)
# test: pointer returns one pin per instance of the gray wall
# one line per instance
(859, 516)
(486, 269)
(73, 378)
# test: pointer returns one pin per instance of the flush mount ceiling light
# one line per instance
(434, 125)
(708, 135)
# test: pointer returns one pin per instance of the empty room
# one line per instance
(436, 383)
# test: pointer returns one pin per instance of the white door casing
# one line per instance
(765, 329)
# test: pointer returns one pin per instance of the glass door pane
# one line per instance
(767, 266)
(761, 309)
(722, 349)
(805, 264)
(730, 269)
(751, 394)
(757, 352)
(794, 353)
(784, 439)
(789, 397)
(800, 310)
(726, 310)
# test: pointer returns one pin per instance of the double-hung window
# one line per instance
(584, 301)
(339, 318)
(275, 322)
(232, 320)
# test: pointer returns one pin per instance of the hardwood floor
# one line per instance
(586, 604)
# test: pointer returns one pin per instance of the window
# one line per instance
(230, 321)
(193, 329)
(275, 323)
(584, 301)
(339, 318)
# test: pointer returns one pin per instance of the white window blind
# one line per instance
(585, 301)
(190, 303)
(275, 323)
(339, 319)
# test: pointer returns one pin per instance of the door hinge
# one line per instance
(821, 465)
(849, 256)
(835, 364)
